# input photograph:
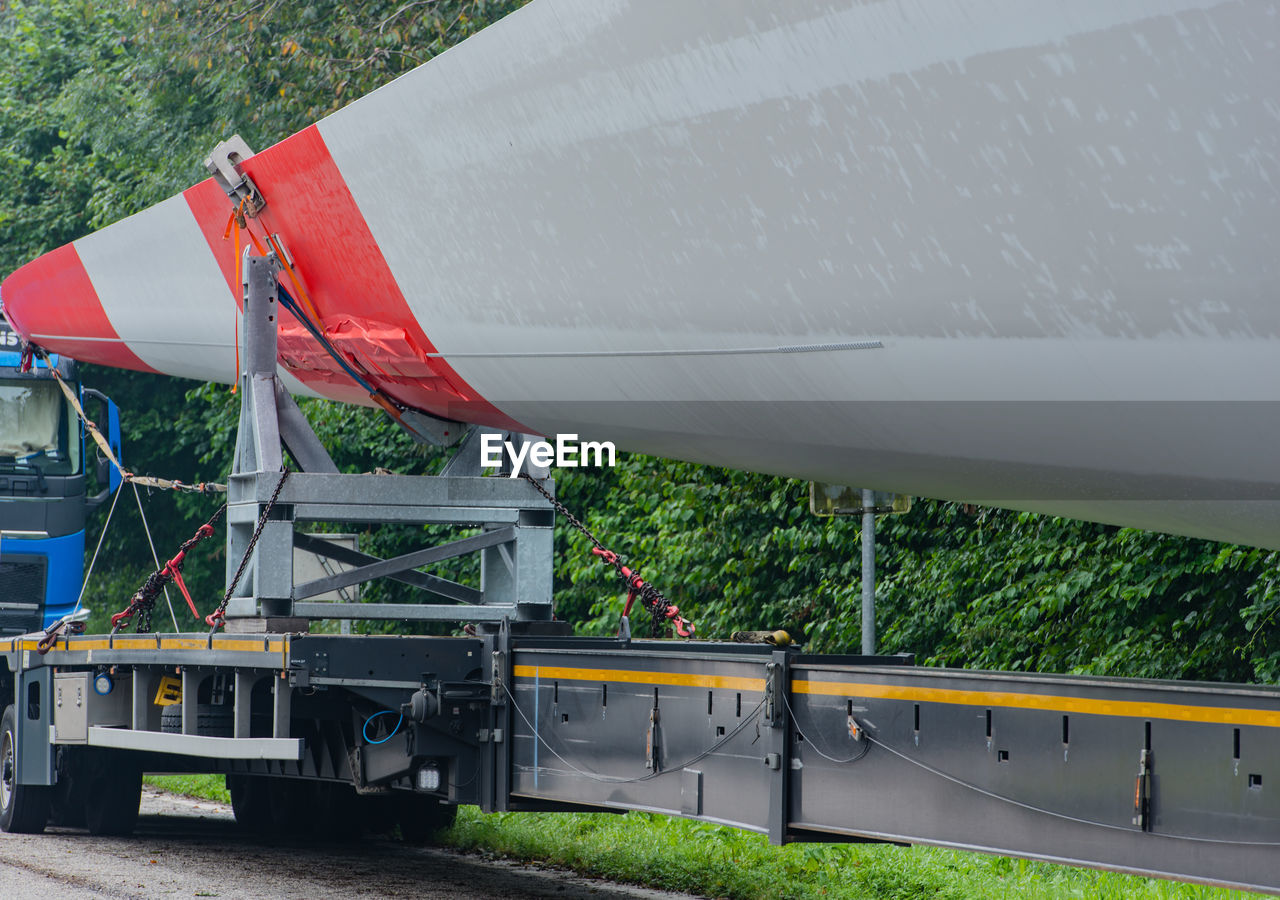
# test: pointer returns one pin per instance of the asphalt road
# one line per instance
(190, 848)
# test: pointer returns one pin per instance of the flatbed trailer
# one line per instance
(316, 731)
(1162, 778)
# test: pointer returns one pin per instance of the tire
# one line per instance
(24, 808)
(251, 802)
(66, 807)
(211, 720)
(337, 811)
(112, 794)
(377, 813)
(423, 818)
(292, 805)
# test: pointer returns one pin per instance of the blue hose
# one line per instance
(385, 712)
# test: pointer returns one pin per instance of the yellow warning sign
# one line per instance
(169, 692)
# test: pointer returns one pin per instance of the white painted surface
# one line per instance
(828, 170)
(1034, 202)
(163, 292)
(1040, 208)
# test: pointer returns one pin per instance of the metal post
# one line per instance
(266, 588)
(260, 328)
(777, 757)
(868, 573)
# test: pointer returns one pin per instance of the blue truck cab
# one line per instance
(43, 487)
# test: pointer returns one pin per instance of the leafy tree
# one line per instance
(269, 68)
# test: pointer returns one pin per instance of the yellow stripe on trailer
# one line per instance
(633, 676)
(1132, 709)
(247, 645)
(83, 643)
(14, 644)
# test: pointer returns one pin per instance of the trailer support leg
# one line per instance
(241, 711)
(281, 708)
(778, 747)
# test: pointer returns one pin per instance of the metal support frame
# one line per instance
(515, 522)
(191, 678)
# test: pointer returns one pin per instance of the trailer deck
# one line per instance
(1163, 778)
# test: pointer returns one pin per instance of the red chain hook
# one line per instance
(635, 585)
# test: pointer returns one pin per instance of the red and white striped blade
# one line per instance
(994, 250)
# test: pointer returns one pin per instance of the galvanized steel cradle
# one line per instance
(515, 522)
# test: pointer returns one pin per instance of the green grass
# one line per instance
(203, 787)
(716, 861)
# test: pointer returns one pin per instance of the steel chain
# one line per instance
(216, 618)
(143, 602)
(659, 607)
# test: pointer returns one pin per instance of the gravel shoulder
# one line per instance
(191, 848)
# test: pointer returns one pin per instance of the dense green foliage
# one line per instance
(108, 107)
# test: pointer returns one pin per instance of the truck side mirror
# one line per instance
(113, 438)
(102, 469)
(110, 474)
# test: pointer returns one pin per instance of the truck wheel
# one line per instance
(66, 800)
(112, 793)
(422, 818)
(377, 813)
(211, 720)
(66, 805)
(24, 808)
(292, 804)
(251, 802)
(337, 811)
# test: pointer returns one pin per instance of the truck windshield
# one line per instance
(37, 428)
